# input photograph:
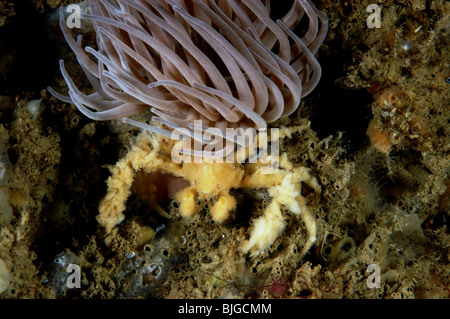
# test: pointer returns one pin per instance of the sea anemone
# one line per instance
(226, 63)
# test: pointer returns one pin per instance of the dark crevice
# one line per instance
(28, 59)
(335, 108)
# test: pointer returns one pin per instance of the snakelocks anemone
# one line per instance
(223, 62)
